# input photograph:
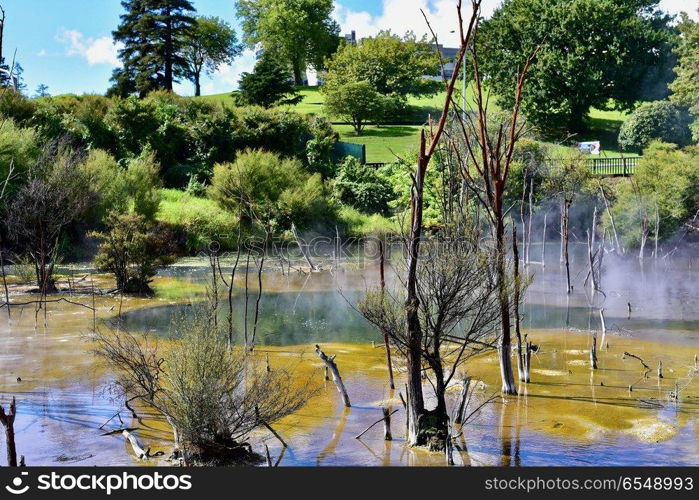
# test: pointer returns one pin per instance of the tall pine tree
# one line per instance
(153, 33)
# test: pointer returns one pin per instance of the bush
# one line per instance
(15, 106)
(362, 187)
(132, 250)
(144, 183)
(200, 220)
(263, 186)
(109, 181)
(18, 150)
(665, 189)
(654, 120)
(357, 102)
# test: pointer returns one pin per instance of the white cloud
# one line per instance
(95, 50)
(400, 16)
(677, 6)
(404, 15)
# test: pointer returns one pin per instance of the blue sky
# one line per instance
(66, 44)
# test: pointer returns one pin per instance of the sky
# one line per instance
(67, 44)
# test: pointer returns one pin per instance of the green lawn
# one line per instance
(385, 142)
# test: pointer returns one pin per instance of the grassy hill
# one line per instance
(385, 142)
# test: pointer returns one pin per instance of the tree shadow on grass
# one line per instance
(389, 131)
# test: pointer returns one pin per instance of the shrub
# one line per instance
(132, 249)
(654, 120)
(18, 150)
(263, 186)
(144, 184)
(270, 84)
(357, 102)
(109, 181)
(664, 190)
(200, 220)
(15, 106)
(362, 187)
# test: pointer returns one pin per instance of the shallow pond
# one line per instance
(568, 415)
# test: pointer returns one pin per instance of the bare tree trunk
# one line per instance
(611, 219)
(520, 353)
(386, 342)
(387, 424)
(8, 421)
(593, 352)
(566, 235)
(543, 242)
(531, 216)
(330, 363)
(459, 419)
(4, 278)
(505, 344)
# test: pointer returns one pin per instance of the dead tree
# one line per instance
(414, 337)
(332, 366)
(8, 422)
(463, 401)
(384, 333)
(516, 301)
(486, 168)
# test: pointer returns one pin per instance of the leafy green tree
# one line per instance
(132, 249)
(357, 102)
(154, 34)
(685, 88)
(109, 181)
(597, 53)
(654, 120)
(301, 32)
(392, 65)
(270, 84)
(210, 44)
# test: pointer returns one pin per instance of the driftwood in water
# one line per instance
(8, 421)
(382, 266)
(136, 445)
(386, 415)
(629, 355)
(332, 366)
(459, 419)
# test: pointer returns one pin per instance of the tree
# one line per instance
(42, 90)
(270, 84)
(654, 120)
(154, 34)
(210, 44)
(301, 32)
(56, 194)
(357, 102)
(393, 65)
(597, 53)
(132, 250)
(685, 88)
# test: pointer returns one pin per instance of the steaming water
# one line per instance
(567, 417)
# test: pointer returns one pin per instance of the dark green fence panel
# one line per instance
(343, 149)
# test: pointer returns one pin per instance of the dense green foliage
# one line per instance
(654, 120)
(132, 249)
(663, 193)
(269, 190)
(685, 88)
(362, 187)
(591, 53)
(268, 85)
(301, 32)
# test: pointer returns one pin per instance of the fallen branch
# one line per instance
(629, 355)
(382, 419)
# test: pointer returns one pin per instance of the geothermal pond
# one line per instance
(568, 415)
